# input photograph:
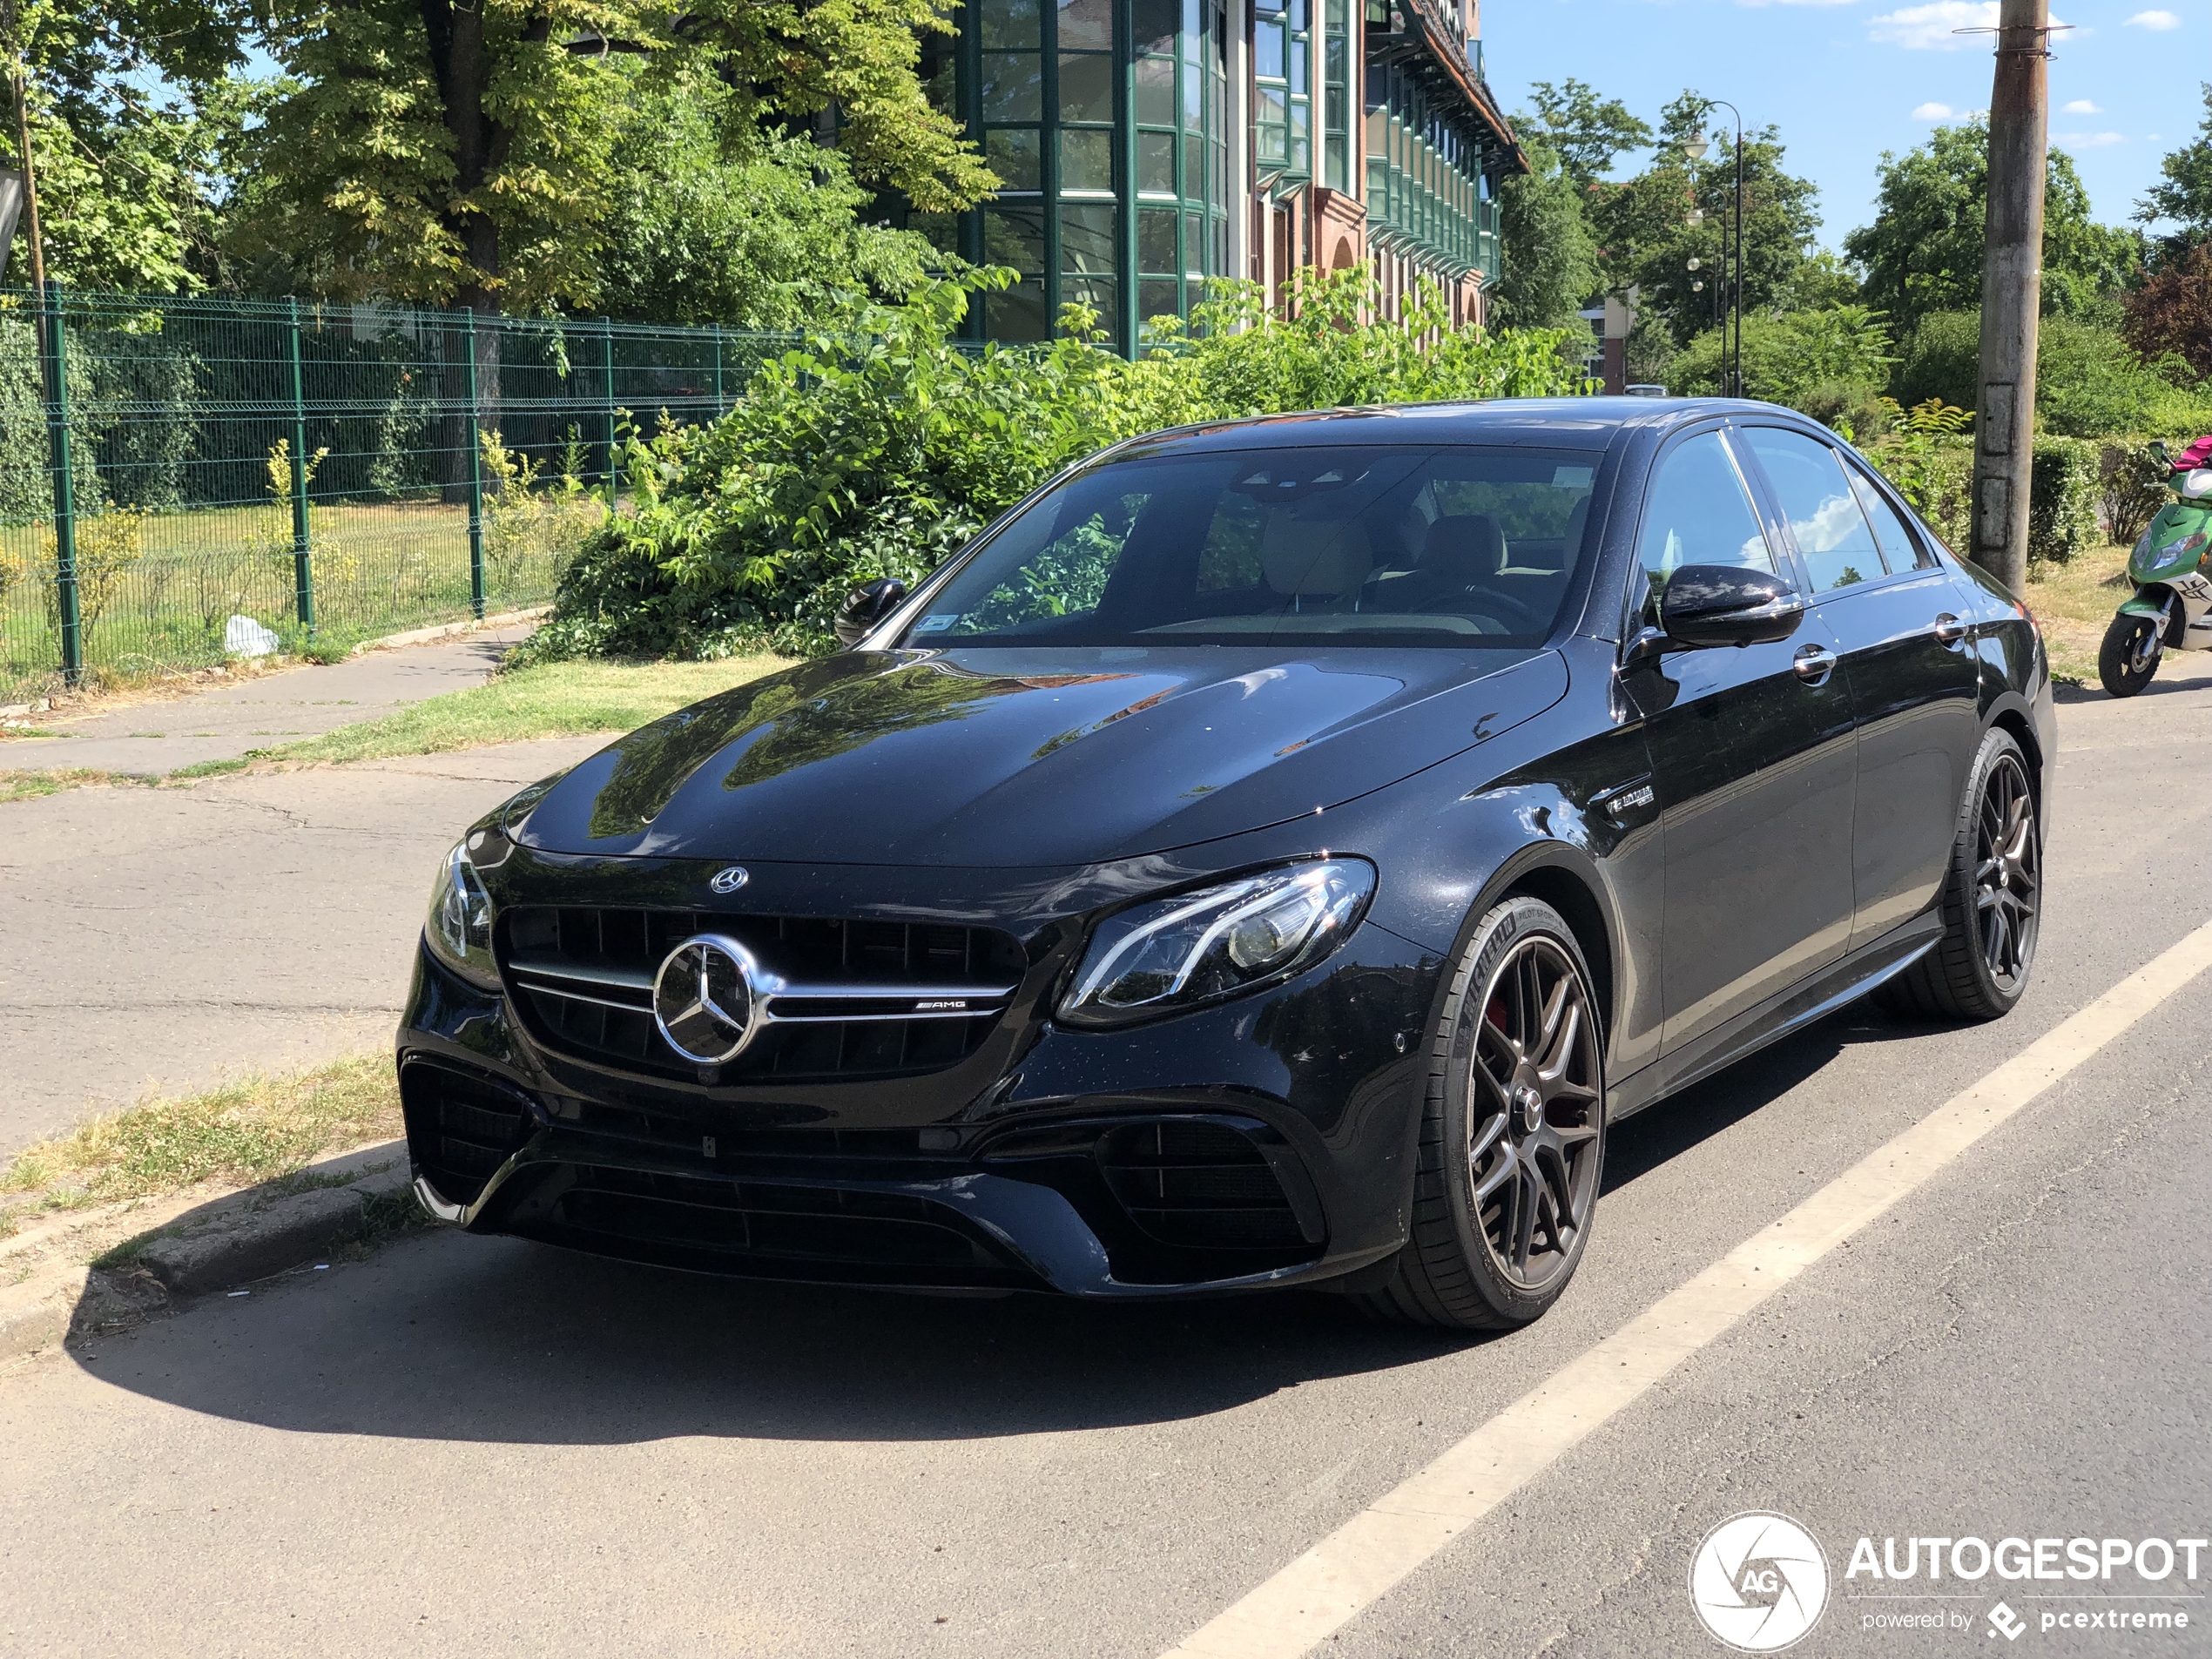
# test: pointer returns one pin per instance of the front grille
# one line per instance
(861, 999)
(1198, 1185)
(775, 1231)
(459, 1129)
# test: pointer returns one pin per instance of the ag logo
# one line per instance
(1758, 1582)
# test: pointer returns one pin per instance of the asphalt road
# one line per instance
(484, 1447)
(159, 939)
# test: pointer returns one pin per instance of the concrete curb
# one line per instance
(218, 1246)
(424, 636)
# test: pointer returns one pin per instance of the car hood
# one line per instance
(1003, 757)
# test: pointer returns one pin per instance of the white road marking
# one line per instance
(1324, 1589)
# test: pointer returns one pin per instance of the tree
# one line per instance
(767, 241)
(1924, 251)
(443, 151)
(1678, 211)
(1587, 133)
(2171, 312)
(122, 172)
(1550, 261)
(2184, 196)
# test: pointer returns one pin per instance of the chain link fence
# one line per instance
(187, 480)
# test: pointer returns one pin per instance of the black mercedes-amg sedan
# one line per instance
(1272, 853)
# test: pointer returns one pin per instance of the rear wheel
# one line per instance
(1993, 898)
(1513, 1131)
(2130, 656)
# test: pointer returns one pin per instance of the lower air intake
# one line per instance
(1198, 1185)
(459, 1129)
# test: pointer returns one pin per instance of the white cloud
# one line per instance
(2082, 107)
(1929, 28)
(2089, 140)
(1934, 112)
(2160, 20)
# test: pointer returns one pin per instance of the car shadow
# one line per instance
(442, 1337)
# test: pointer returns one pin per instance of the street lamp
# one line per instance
(1697, 146)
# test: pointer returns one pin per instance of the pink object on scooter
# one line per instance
(2197, 454)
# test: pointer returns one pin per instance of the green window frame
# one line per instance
(1107, 120)
(1283, 92)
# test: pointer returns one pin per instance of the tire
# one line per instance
(2121, 663)
(1471, 1262)
(1992, 895)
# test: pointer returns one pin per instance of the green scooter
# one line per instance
(2173, 602)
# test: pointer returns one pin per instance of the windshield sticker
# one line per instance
(938, 623)
(1571, 477)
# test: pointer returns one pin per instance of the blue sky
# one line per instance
(1846, 79)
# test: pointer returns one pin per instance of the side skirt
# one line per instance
(1848, 979)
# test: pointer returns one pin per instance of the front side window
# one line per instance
(1823, 512)
(1698, 512)
(1446, 545)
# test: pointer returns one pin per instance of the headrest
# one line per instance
(1315, 555)
(1468, 546)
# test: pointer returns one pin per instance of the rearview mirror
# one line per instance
(865, 606)
(1725, 604)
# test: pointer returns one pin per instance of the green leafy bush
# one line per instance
(2131, 488)
(2089, 383)
(881, 447)
(1925, 452)
(2062, 499)
(1831, 363)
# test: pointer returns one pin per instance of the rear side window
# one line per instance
(1900, 548)
(1825, 515)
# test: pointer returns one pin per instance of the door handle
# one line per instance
(1813, 664)
(1949, 630)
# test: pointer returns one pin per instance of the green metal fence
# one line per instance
(181, 479)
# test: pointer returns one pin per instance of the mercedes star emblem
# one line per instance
(703, 999)
(730, 880)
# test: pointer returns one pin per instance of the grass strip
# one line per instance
(547, 700)
(31, 785)
(257, 1128)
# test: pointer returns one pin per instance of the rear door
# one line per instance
(1751, 756)
(1908, 658)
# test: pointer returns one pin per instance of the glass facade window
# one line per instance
(1106, 121)
(1282, 90)
(1427, 197)
(1336, 99)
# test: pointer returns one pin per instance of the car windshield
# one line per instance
(1443, 545)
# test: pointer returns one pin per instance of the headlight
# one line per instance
(1218, 943)
(459, 925)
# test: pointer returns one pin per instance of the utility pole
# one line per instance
(2012, 291)
(9, 21)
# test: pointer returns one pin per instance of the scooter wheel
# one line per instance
(2129, 655)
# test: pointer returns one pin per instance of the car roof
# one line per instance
(1549, 422)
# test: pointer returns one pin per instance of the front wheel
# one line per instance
(1513, 1131)
(2129, 655)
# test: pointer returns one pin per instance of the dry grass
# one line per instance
(2074, 602)
(257, 1128)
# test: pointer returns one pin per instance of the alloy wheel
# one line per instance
(1533, 1153)
(2007, 874)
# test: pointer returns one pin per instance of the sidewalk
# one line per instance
(160, 937)
(221, 725)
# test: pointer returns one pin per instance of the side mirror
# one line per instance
(865, 606)
(1705, 605)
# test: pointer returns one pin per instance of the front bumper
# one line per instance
(1267, 1141)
